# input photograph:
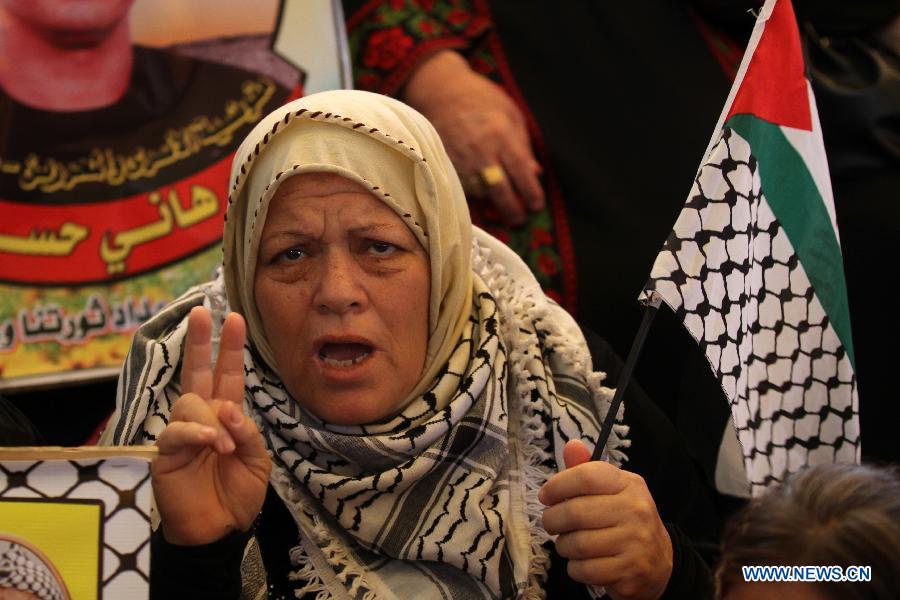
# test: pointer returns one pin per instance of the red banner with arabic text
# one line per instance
(92, 242)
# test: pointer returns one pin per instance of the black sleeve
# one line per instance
(277, 534)
(691, 577)
(559, 584)
(211, 571)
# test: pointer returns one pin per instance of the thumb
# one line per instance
(575, 453)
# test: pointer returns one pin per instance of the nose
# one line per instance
(339, 287)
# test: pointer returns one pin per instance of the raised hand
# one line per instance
(481, 127)
(212, 471)
(608, 527)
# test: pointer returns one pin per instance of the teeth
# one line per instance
(343, 363)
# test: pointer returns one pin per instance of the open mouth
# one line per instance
(344, 354)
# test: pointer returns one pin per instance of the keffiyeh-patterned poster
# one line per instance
(75, 523)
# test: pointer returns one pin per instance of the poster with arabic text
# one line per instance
(118, 122)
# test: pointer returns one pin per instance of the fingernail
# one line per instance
(236, 417)
(227, 445)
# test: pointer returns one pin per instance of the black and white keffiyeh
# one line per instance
(25, 570)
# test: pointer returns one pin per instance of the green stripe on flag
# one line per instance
(793, 196)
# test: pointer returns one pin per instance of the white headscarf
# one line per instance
(441, 499)
(316, 134)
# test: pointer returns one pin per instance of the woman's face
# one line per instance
(342, 286)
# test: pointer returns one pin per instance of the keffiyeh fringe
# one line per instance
(517, 308)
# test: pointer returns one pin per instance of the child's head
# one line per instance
(828, 515)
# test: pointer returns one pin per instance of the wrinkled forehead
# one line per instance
(303, 202)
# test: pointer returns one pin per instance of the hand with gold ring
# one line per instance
(483, 131)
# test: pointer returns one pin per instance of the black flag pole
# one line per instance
(651, 305)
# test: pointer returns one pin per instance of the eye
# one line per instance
(291, 255)
(380, 248)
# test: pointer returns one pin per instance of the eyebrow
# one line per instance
(298, 231)
(372, 227)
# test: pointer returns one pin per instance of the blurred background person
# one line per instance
(827, 515)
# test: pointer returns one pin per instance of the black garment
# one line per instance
(626, 95)
(66, 416)
(212, 571)
(207, 572)
(15, 427)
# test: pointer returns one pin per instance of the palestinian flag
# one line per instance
(754, 268)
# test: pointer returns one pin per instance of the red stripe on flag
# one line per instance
(774, 86)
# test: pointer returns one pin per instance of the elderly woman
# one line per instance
(394, 399)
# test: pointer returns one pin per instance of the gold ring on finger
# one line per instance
(492, 175)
